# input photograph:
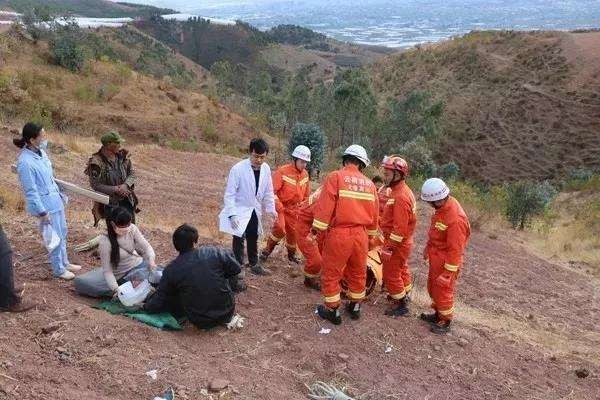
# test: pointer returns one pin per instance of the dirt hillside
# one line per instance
(525, 327)
(518, 105)
(112, 95)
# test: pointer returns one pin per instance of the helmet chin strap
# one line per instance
(397, 177)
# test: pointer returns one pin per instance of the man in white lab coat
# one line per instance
(248, 194)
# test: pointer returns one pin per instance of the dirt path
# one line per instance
(524, 326)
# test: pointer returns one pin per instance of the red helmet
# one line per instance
(395, 163)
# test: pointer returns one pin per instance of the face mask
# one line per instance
(43, 145)
(122, 231)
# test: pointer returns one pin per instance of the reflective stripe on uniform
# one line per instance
(356, 296)
(333, 299)
(373, 232)
(288, 180)
(320, 225)
(446, 312)
(398, 296)
(350, 194)
(408, 288)
(275, 238)
(440, 226)
(303, 181)
(396, 238)
(390, 202)
(450, 267)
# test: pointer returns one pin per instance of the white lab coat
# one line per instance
(240, 198)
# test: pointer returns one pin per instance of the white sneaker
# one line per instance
(73, 267)
(67, 275)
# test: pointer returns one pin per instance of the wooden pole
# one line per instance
(71, 187)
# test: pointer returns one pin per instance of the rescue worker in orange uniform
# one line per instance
(382, 192)
(448, 236)
(309, 245)
(348, 210)
(291, 187)
(398, 225)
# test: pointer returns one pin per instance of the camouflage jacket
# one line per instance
(106, 175)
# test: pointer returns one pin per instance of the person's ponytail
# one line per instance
(19, 142)
(30, 131)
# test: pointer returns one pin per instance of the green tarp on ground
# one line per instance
(162, 321)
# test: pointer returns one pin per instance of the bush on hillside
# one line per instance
(68, 47)
(309, 135)
(449, 170)
(525, 200)
(419, 158)
(295, 35)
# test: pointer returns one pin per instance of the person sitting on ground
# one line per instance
(124, 252)
(198, 283)
(10, 299)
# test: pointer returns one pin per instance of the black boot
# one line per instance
(441, 327)
(398, 309)
(312, 283)
(293, 258)
(330, 315)
(431, 318)
(353, 309)
(257, 269)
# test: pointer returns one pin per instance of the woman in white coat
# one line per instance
(249, 192)
(42, 195)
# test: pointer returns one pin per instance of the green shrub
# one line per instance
(86, 93)
(189, 145)
(419, 158)
(5, 81)
(312, 136)
(206, 124)
(108, 91)
(527, 199)
(68, 49)
(40, 112)
(123, 73)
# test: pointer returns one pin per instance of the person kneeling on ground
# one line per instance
(198, 283)
(124, 252)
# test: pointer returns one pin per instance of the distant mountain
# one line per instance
(86, 8)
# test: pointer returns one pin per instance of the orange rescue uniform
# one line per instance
(448, 237)
(384, 194)
(309, 246)
(291, 187)
(398, 225)
(348, 210)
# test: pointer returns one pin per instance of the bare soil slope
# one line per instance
(524, 326)
(518, 105)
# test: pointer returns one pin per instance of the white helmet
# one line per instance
(302, 152)
(434, 189)
(358, 152)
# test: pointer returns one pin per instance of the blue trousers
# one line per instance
(58, 257)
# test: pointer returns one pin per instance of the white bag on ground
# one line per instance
(50, 238)
(132, 296)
